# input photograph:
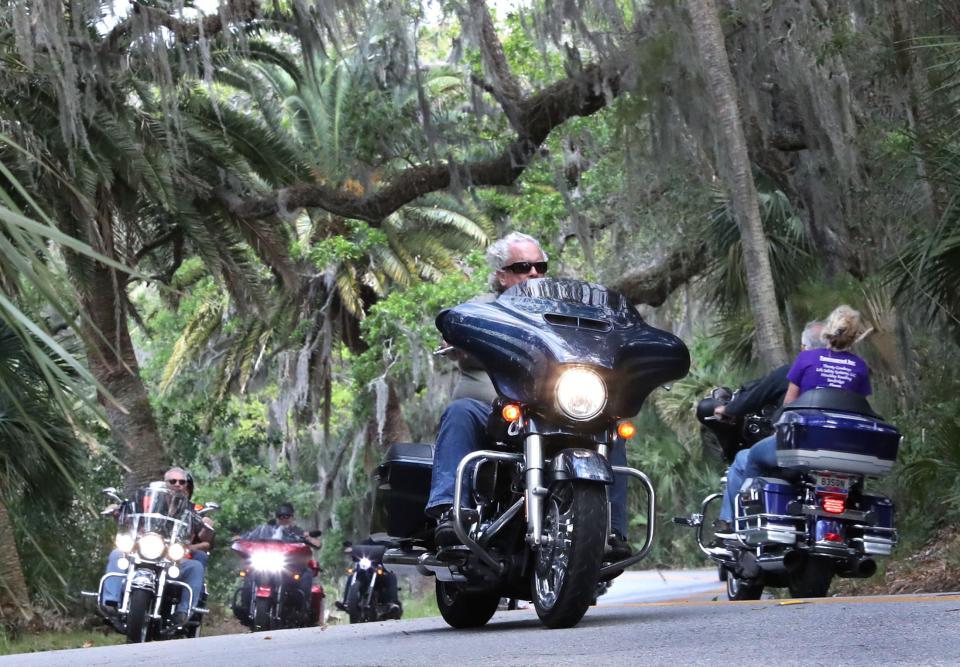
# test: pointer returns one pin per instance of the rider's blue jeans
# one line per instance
(463, 428)
(753, 462)
(191, 573)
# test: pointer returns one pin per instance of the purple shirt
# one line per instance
(815, 369)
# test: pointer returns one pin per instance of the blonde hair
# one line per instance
(842, 327)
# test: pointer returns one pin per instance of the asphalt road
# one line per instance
(694, 631)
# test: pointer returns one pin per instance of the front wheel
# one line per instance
(261, 614)
(138, 622)
(461, 609)
(354, 596)
(567, 564)
(813, 579)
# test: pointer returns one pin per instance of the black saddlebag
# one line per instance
(402, 484)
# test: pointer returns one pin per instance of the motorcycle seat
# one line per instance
(828, 398)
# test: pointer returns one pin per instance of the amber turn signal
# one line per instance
(626, 430)
(511, 412)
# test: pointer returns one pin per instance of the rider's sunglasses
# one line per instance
(523, 268)
(176, 482)
(284, 516)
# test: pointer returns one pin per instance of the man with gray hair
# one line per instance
(768, 390)
(513, 259)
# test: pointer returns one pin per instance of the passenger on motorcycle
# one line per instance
(770, 389)
(192, 569)
(513, 259)
(831, 366)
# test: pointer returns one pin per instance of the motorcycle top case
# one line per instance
(402, 488)
(844, 442)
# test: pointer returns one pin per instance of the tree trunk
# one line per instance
(112, 360)
(736, 171)
(14, 597)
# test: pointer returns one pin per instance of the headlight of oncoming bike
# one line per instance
(176, 551)
(124, 542)
(267, 561)
(581, 393)
(151, 546)
(364, 563)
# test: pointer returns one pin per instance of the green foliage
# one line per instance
(400, 327)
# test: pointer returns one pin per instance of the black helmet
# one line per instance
(284, 508)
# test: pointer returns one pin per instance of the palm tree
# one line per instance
(736, 167)
(129, 172)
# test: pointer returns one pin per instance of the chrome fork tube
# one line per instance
(533, 459)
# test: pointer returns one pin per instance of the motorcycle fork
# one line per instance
(535, 491)
(371, 584)
(161, 584)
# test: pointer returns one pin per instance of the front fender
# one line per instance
(577, 463)
(145, 579)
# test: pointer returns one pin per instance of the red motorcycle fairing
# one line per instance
(246, 547)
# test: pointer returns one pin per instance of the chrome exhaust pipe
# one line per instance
(423, 563)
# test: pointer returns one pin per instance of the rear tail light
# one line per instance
(834, 504)
(833, 537)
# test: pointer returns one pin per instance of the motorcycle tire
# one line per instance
(461, 609)
(742, 589)
(354, 610)
(575, 520)
(138, 621)
(813, 579)
(261, 615)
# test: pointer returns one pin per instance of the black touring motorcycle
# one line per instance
(569, 360)
(812, 519)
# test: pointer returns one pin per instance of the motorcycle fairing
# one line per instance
(531, 330)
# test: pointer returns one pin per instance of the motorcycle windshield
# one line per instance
(160, 511)
(271, 533)
(535, 329)
(372, 552)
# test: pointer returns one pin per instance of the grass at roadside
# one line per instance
(422, 604)
(53, 641)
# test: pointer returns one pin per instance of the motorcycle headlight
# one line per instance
(267, 561)
(151, 546)
(364, 563)
(124, 542)
(581, 393)
(176, 551)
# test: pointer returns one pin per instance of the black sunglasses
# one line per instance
(522, 268)
(284, 516)
(176, 482)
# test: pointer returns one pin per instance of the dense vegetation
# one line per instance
(225, 233)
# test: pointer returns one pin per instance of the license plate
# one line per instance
(833, 483)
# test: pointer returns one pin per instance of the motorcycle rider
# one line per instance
(770, 389)
(386, 585)
(513, 259)
(192, 570)
(283, 529)
(831, 366)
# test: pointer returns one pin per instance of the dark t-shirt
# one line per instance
(816, 369)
